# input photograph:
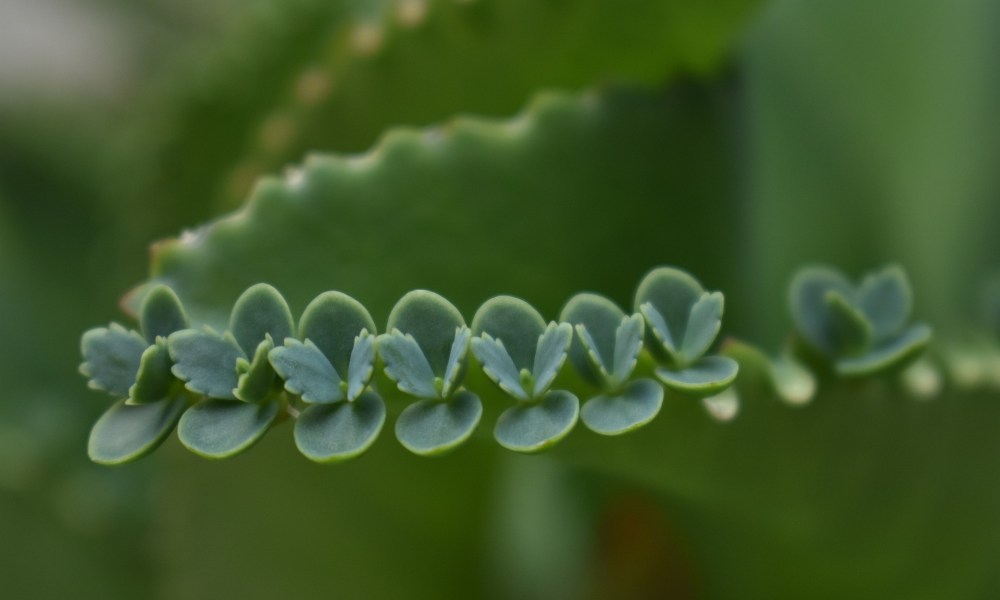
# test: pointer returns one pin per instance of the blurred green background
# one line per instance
(741, 140)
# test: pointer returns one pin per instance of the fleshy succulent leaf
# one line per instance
(628, 344)
(886, 300)
(708, 376)
(892, 353)
(111, 358)
(205, 361)
(161, 314)
(595, 319)
(703, 325)
(431, 320)
(332, 320)
(550, 355)
(125, 433)
(406, 364)
(362, 365)
(257, 382)
(456, 361)
(515, 323)
(498, 365)
(259, 311)
(672, 292)
(307, 372)
(224, 428)
(339, 431)
(614, 414)
(661, 340)
(153, 380)
(431, 427)
(810, 307)
(795, 384)
(850, 332)
(538, 426)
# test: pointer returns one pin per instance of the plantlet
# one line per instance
(859, 330)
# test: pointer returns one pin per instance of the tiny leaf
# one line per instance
(431, 427)
(362, 365)
(335, 432)
(886, 300)
(615, 414)
(111, 358)
(703, 326)
(595, 319)
(672, 293)
(153, 379)
(307, 372)
(206, 361)
(850, 332)
(810, 308)
(161, 313)
(332, 321)
(892, 353)
(550, 355)
(406, 364)
(257, 382)
(259, 311)
(432, 321)
(628, 344)
(708, 376)
(224, 428)
(125, 433)
(535, 427)
(456, 360)
(663, 341)
(498, 365)
(515, 323)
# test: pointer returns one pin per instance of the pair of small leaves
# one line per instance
(331, 374)
(863, 330)
(683, 321)
(425, 355)
(523, 356)
(605, 353)
(233, 369)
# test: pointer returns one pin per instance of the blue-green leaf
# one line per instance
(153, 380)
(332, 320)
(456, 360)
(430, 427)
(257, 377)
(307, 372)
(850, 332)
(550, 356)
(259, 311)
(894, 352)
(628, 344)
(161, 313)
(614, 414)
(515, 323)
(703, 326)
(672, 292)
(662, 341)
(334, 432)
(125, 433)
(810, 308)
(224, 428)
(886, 300)
(362, 365)
(431, 320)
(205, 361)
(595, 319)
(535, 427)
(708, 376)
(111, 358)
(406, 364)
(498, 365)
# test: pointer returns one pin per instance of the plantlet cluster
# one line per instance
(223, 391)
